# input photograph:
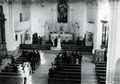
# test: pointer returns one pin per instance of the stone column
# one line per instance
(114, 42)
(102, 13)
(9, 31)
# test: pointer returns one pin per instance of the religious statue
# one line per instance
(61, 30)
(76, 26)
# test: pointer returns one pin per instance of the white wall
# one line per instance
(26, 11)
(78, 13)
(91, 17)
(39, 15)
(92, 21)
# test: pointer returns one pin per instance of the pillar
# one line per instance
(102, 13)
(114, 42)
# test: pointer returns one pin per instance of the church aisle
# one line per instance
(41, 74)
(87, 73)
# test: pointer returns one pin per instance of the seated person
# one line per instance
(58, 59)
(51, 71)
(77, 41)
(80, 57)
(12, 60)
(15, 68)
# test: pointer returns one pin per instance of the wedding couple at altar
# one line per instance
(58, 43)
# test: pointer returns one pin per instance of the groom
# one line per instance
(55, 41)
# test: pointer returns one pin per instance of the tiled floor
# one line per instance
(41, 74)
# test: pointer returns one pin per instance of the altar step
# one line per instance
(51, 51)
(55, 48)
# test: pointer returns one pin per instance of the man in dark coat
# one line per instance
(56, 41)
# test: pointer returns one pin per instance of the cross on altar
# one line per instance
(61, 28)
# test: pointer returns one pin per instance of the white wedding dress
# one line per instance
(59, 44)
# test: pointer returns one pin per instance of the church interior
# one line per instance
(59, 42)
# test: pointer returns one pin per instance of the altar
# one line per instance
(64, 36)
(61, 30)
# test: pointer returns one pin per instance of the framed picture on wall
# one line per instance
(62, 11)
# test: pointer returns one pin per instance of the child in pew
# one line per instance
(77, 61)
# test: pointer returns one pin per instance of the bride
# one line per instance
(59, 43)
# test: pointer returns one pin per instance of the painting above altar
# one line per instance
(62, 11)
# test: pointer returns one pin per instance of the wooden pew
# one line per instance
(100, 65)
(69, 47)
(101, 74)
(9, 74)
(63, 81)
(100, 69)
(71, 70)
(14, 64)
(35, 46)
(66, 76)
(72, 67)
(8, 70)
(18, 61)
(68, 73)
(67, 64)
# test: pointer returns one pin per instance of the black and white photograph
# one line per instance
(59, 41)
